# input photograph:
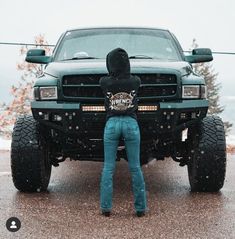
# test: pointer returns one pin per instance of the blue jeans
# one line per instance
(128, 128)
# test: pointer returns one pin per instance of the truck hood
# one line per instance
(98, 66)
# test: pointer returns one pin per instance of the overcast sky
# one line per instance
(210, 22)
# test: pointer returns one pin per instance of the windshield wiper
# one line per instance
(80, 58)
(140, 57)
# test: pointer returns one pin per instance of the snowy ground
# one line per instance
(230, 140)
(5, 144)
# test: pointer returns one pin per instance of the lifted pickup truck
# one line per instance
(68, 115)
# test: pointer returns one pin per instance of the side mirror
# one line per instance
(37, 56)
(199, 55)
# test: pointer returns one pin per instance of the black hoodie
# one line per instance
(120, 87)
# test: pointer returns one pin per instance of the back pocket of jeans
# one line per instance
(110, 129)
(132, 128)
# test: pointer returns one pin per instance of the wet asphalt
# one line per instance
(70, 208)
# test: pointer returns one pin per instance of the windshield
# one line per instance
(96, 43)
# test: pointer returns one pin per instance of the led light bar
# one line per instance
(147, 108)
(93, 108)
(101, 108)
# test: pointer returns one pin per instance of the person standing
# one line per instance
(120, 89)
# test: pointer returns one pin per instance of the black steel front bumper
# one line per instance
(70, 119)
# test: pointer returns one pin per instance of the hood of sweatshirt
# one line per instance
(117, 63)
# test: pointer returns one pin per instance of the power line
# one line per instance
(218, 52)
(49, 45)
(24, 44)
(224, 53)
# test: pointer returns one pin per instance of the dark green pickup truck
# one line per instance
(68, 115)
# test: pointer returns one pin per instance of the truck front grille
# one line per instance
(158, 86)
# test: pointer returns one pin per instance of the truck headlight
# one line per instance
(194, 91)
(191, 91)
(48, 92)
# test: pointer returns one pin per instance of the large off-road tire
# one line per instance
(30, 165)
(207, 166)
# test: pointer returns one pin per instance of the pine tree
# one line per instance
(213, 88)
(22, 92)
